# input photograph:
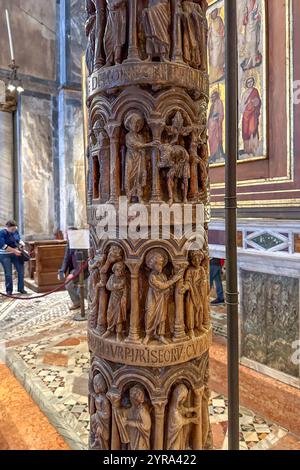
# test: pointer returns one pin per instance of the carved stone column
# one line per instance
(151, 338)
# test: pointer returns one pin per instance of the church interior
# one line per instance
(102, 101)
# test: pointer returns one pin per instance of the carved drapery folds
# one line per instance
(149, 322)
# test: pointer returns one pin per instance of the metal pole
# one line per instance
(231, 222)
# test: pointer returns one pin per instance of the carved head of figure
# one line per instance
(156, 260)
(137, 395)
(99, 385)
(119, 269)
(115, 254)
(197, 258)
(134, 122)
(180, 395)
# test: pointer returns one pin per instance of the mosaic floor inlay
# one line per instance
(48, 353)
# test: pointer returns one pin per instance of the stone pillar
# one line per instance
(159, 418)
(151, 341)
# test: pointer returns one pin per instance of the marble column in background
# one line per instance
(36, 169)
(71, 160)
(6, 168)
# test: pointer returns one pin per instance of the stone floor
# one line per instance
(47, 352)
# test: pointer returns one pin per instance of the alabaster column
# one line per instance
(150, 334)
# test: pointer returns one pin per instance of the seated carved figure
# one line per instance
(157, 21)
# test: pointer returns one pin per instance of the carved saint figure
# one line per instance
(134, 424)
(95, 27)
(115, 255)
(90, 29)
(251, 109)
(157, 22)
(115, 32)
(100, 415)
(136, 173)
(180, 417)
(195, 284)
(158, 294)
(252, 31)
(117, 306)
(216, 46)
(177, 159)
(194, 23)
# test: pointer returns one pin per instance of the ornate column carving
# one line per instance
(149, 331)
(159, 406)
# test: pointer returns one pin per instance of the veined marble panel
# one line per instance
(72, 161)
(33, 25)
(6, 168)
(76, 39)
(270, 319)
(36, 166)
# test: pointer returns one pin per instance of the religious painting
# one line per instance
(252, 54)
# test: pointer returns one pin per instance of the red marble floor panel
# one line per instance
(270, 398)
(22, 424)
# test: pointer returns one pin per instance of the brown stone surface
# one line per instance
(272, 399)
(55, 359)
(22, 425)
(289, 442)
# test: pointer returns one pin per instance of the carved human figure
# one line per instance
(90, 29)
(117, 305)
(100, 415)
(193, 24)
(95, 27)
(177, 160)
(115, 32)
(136, 172)
(180, 417)
(195, 284)
(156, 308)
(157, 22)
(115, 255)
(134, 424)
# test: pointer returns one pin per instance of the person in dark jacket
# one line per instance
(216, 276)
(11, 247)
(69, 272)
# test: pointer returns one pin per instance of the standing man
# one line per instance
(11, 247)
(216, 276)
(69, 271)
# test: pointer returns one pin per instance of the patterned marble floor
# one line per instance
(47, 352)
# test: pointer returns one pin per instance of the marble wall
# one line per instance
(71, 160)
(33, 25)
(76, 17)
(270, 319)
(6, 165)
(36, 166)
